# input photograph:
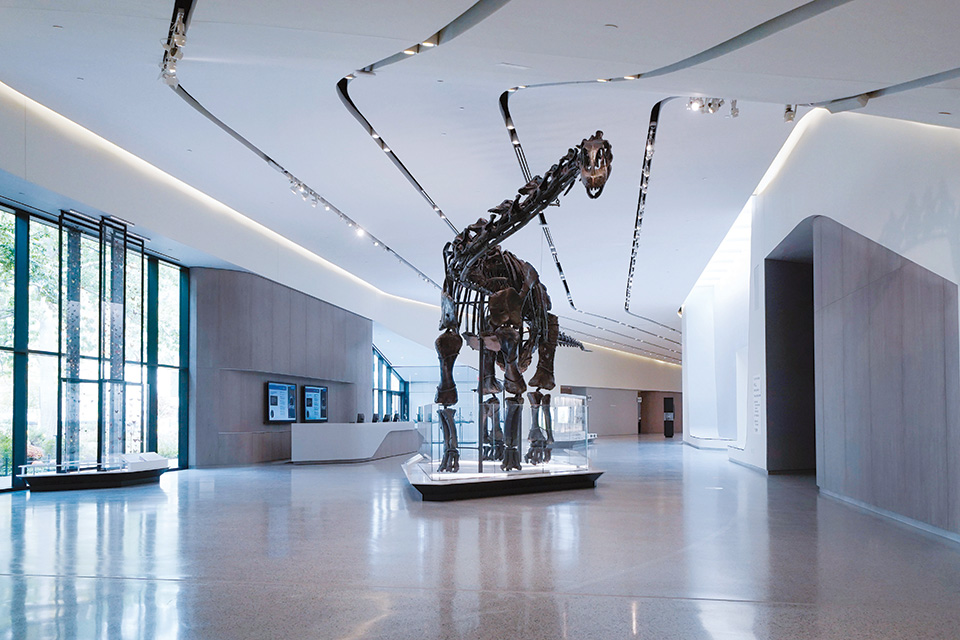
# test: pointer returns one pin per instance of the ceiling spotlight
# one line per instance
(360, 232)
(410, 51)
(602, 80)
(789, 113)
(734, 109)
(631, 77)
(522, 86)
(375, 135)
(714, 104)
(179, 31)
(427, 44)
(386, 149)
(694, 104)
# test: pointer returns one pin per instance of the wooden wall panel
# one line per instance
(250, 330)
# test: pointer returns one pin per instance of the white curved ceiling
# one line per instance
(269, 70)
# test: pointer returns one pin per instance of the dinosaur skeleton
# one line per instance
(505, 310)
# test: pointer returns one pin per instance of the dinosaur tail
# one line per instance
(563, 340)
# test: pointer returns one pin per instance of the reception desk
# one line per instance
(319, 442)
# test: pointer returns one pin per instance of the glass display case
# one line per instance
(478, 459)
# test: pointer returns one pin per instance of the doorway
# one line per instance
(790, 389)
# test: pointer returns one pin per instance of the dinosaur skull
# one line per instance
(596, 157)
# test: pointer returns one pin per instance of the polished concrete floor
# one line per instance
(673, 543)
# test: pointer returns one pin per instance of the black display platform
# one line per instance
(90, 479)
(453, 487)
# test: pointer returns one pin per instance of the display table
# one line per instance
(128, 469)
(320, 442)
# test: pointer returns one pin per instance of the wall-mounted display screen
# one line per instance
(281, 402)
(314, 404)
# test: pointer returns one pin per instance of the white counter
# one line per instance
(351, 442)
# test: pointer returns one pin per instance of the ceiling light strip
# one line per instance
(649, 147)
(344, 92)
(297, 186)
(862, 99)
(477, 13)
(521, 158)
(753, 35)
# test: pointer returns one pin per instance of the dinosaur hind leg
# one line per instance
(448, 347)
(543, 378)
(511, 436)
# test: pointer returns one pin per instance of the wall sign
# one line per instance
(757, 402)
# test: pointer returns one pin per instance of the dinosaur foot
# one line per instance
(511, 460)
(493, 451)
(450, 461)
(538, 453)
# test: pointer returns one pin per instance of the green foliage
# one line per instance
(6, 454)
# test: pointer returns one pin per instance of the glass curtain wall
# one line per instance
(391, 395)
(7, 285)
(84, 375)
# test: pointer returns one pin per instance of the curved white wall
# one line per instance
(892, 181)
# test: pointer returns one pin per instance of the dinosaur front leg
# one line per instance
(448, 347)
(511, 436)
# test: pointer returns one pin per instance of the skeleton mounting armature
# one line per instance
(506, 310)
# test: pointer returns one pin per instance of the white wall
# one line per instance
(700, 367)
(56, 154)
(714, 333)
(894, 182)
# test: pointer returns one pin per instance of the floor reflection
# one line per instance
(85, 564)
(674, 542)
